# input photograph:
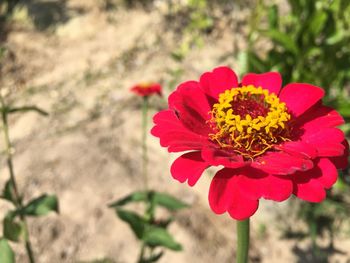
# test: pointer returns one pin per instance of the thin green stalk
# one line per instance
(142, 254)
(144, 142)
(18, 201)
(313, 234)
(242, 241)
(149, 210)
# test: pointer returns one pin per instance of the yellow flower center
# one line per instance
(145, 85)
(249, 120)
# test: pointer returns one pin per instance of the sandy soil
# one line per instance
(79, 69)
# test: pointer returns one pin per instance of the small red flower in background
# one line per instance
(147, 89)
(272, 142)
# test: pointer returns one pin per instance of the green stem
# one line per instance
(313, 234)
(18, 201)
(144, 142)
(142, 254)
(242, 241)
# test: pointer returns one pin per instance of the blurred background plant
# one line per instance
(194, 21)
(7, 7)
(150, 229)
(197, 22)
(15, 226)
(308, 41)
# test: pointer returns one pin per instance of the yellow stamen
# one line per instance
(247, 131)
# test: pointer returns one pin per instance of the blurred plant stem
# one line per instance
(145, 105)
(254, 22)
(151, 232)
(242, 241)
(18, 199)
(142, 254)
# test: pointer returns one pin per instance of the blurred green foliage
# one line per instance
(152, 232)
(308, 44)
(3, 51)
(7, 7)
(197, 23)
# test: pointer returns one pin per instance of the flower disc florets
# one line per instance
(249, 120)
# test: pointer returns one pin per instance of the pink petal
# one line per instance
(319, 117)
(298, 148)
(225, 196)
(174, 135)
(167, 117)
(299, 97)
(312, 191)
(329, 173)
(216, 82)
(191, 106)
(271, 81)
(308, 185)
(342, 162)
(282, 163)
(183, 138)
(188, 167)
(327, 141)
(216, 157)
(181, 146)
(242, 208)
(257, 184)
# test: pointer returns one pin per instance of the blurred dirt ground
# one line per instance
(77, 60)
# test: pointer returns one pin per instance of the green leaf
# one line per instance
(313, 52)
(153, 258)
(155, 198)
(41, 205)
(136, 222)
(151, 206)
(273, 16)
(318, 22)
(296, 6)
(282, 39)
(134, 197)
(169, 202)
(28, 108)
(165, 222)
(14, 231)
(345, 128)
(256, 63)
(337, 37)
(156, 236)
(8, 192)
(340, 184)
(6, 252)
(177, 55)
(344, 108)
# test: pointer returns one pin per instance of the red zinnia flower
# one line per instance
(272, 142)
(147, 89)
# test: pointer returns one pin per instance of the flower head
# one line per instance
(271, 142)
(147, 89)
